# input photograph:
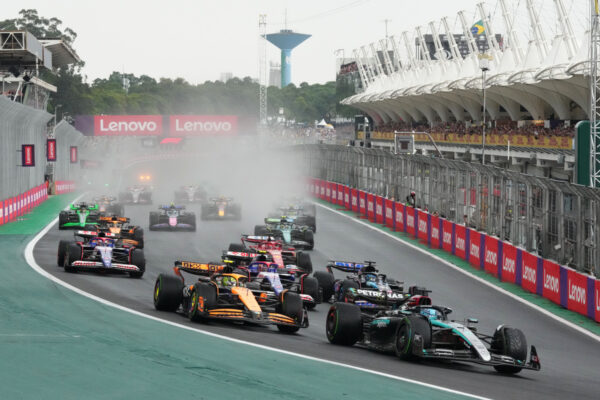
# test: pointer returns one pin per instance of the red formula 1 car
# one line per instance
(281, 254)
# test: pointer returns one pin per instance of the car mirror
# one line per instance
(472, 320)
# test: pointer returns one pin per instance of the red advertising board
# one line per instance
(1, 212)
(340, 194)
(400, 217)
(128, 125)
(551, 281)
(73, 154)
(422, 231)
(355, 203)
(529, 274)
(27, 155)
(475, 242)
(51, 150)
(509, 262)
(597, 300)
(410, 221)
(362, 202)
(436, 234)
(389, 213)
(447, 235)
(371, 207)
(322, 187)
(490, 255)
(194, 125)
(460, 245)
(328, 191)
(379, 209)
(347, 198)
(577, 292)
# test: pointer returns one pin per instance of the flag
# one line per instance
(596, 4)
(478, 28)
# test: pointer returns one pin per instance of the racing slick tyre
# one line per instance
(326, 281)
(204, 212)
(237, 247)
(310, 286)
(138, 236)
(154, 217)
(62, 250)
(311, 222)
(344, 324)
(291, 306)
(72, 254)
(346, 285)
(137, 259)
(168, 292)
(510, 342)
(311, 210)
(63, 218)
(303, 262)
(260, 230)
(405, 338)
(309, 238)
(203, 297)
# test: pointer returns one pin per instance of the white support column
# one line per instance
(473, 49)
(369, 66)
(361, 70)
(383, 45)
(538, 34)
(397, 60)
(378, 65)
(453, 45)
(512, 36)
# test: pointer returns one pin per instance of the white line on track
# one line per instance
(467, 273)
(34, 265)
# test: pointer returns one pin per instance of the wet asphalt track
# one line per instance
(570, 360)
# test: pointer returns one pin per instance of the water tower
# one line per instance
(286, 40)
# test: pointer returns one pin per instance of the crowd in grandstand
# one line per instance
(462, 128)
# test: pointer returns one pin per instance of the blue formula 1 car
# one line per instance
(172, 218)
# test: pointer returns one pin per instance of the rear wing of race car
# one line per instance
(258, 239)
(92, 234)
(238, 256)
(114, 219)
(163, 207)
(197, 268)
(345, 266)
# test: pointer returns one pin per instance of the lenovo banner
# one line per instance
(509, 263)
(27, 155)
(491, 255)
(73, 153)
(410, 221)
(577, 291)
(460, 245)
(128, 125)
(551, 281)
(475, 243)
(379, 217)
(400, 217)
(354, 200)
(447, 238)
(185, 125)
(436, 232)
(389, 213)
(423, 230)
(530, 272)
(51, 150)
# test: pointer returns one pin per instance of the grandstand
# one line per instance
(536, 88)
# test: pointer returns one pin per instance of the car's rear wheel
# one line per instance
(168, 292)
(237, 247)
(344, 324)
(260, 230)
(137, 259)
(291, 306)
(326, 281)
(309, 238)
(63, 218)
(154, 218)
(138, 236)
(510, 342)
(203, 297)
(405, 338)
(347, 284)
(72, 254)
(303, 262)
(62, 250)
(310, 286)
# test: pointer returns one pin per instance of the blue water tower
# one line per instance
(286, 40)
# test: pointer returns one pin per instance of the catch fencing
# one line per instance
(553, 219)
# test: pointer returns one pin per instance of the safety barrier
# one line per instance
(64, 186)
(560, 284)
(16, 206)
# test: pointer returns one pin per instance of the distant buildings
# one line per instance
(225, 76)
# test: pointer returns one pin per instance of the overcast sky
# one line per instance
(199, 39)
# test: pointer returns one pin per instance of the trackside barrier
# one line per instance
(19, 205)
(562, 285)
(64, 186)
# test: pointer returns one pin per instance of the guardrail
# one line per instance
(13, 207)
(560, 284)
(553, 219)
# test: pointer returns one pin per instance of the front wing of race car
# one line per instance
(98, 265)
(165, 226)
(473, 357)
(258, 318)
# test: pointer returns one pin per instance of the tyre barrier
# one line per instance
(562, 285)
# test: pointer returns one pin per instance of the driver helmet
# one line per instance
(371, 280)
(430, 313)
(228, 281)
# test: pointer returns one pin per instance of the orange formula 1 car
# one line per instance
(122, 229)
(221, 293)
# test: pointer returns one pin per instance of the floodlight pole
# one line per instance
(484, 66)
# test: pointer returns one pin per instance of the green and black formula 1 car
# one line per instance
(79, 216)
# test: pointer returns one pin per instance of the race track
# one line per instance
(569, 359)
